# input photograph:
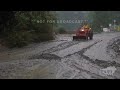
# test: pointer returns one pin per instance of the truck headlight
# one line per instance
(82, 30)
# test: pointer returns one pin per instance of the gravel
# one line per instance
(113, 48)
(28, 69)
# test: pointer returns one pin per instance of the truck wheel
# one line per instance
(73, 38)
(86, 37)
(91, 38)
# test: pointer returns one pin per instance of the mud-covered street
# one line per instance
(64, 58)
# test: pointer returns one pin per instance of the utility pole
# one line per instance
(114, 24)
(110, 27)
(101, 28)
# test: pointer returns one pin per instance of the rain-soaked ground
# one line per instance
(64, 58)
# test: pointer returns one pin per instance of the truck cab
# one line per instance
(84, 33)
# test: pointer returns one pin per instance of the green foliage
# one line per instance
(21, 27)
(103, 18)
(18, 39)
(7, 21)
(44, 33)
(40, 37)
(62, 30)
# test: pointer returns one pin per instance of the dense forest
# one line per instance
(19, 28)
(102, 19)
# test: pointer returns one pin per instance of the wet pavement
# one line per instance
(63, 58)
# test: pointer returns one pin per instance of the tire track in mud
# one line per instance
(100, 63)
(113, 48)
(93, 75)
(75, 65)
(46, 54)
(83, 50)
(61, 46)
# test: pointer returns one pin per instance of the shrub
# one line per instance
(39, 37)
(18, 39)
(23, 27)
(62, 30)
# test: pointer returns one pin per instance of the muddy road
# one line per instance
(63, 58)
